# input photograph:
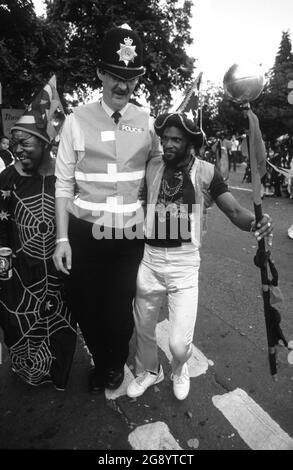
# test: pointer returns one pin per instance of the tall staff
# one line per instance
(243, 83)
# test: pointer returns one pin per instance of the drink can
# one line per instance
(5, 263)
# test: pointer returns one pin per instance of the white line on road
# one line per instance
(153, 436)
(240, 189)
(197, 364)
(252, 423)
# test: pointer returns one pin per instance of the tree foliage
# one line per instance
(30, 49)
(163, 26)
(220, 114)
(67, 43)
(272, 108)
(274, 111)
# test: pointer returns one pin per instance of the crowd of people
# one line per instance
(227, 152)
(101, 233)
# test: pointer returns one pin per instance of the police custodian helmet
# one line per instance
(121, 53)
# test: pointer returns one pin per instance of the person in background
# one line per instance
(6, 156)
(234, 148)
(221, 150)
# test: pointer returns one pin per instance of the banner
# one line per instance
(9, 117)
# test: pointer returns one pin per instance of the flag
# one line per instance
(48, 110)
(190, 106)
(257, 148)
(45, 115)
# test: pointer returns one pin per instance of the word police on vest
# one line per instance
(126, 128)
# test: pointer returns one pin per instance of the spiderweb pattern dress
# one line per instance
(37, 324)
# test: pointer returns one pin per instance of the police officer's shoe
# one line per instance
(114, 379)
(96, 382)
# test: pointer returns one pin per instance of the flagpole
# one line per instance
(261, 260)
(244, 83)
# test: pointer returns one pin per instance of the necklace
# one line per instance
(170, 191)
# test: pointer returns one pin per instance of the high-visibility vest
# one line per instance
(110, 170)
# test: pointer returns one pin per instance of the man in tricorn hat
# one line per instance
(100, 169)
(180, 189)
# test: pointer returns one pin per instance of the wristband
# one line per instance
(60, 240)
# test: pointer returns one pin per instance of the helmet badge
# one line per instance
(127, 51)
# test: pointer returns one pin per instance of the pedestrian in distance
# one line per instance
(100, 169)
(180, 188)
(6, 156)
(221, 148)
(234, 149)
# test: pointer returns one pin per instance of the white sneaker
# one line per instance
(290, 232)
(181, 383)
(139, 385)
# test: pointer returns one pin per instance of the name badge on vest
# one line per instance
(133, 129)
(106, 136)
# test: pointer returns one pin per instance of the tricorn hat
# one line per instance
(186, 116)
(181, 121)
(121, 53)
(44, 116)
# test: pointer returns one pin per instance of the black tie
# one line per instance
(116, 116)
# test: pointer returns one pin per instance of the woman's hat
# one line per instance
(121, 53)
(44, 116)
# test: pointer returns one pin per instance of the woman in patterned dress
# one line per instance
(38, 329)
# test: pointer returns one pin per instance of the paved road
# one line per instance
(233, 403)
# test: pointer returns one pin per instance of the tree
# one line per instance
(211, 96)
(274, 111)
(67, 43)
(219, 113)
(30, 51)
(272, 107)
(163, 26)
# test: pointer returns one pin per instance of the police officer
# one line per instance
(100, 169)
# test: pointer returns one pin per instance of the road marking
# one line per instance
(153, 436)
(240, 189)
(197, 364)
(252, 423)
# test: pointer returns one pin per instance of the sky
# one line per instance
(229, 31)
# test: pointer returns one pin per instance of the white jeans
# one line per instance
(171, 271)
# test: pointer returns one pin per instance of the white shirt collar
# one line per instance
(110, 111)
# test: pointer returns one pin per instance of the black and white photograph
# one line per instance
(146, 229)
